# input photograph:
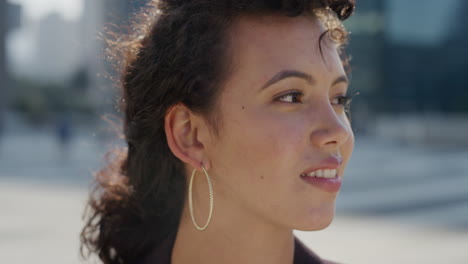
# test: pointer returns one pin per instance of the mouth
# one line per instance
(322, 173)
(326, 176)
(331, 184)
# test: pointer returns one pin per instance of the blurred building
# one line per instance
(120, 12)
(3, 73)
(92, 24)
(99, 18)
(409, 56)
(9, 19)
(366, 51)
(13, 15)
(59, 50)
(73, 53)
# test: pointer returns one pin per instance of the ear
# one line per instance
(186, 136)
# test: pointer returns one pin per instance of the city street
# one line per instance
(398, 204)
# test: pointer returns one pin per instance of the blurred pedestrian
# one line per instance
(63, 131)
(2, 128)
(235, 117)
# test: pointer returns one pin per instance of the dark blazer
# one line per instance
(162, 254)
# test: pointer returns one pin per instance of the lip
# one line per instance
(329, 185)
(331, 163)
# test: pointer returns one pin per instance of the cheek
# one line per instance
(260, 149)
(261, 138)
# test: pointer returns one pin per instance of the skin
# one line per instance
(267, 138)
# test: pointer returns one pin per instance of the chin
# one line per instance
(317, 220)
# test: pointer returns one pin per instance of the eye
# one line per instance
(291, 97)
(344, 101)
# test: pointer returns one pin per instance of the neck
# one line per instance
(231, 238)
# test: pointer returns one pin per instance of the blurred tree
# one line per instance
(80, 80)
(39, 102)
(29, 101)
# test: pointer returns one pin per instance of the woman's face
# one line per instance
(281, 117)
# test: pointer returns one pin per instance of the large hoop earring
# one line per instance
(191, 202)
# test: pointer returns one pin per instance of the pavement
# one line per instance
(398, 204)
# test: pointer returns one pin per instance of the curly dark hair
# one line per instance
(139, 196)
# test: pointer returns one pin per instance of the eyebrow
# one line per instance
(341, 79)
(298, 74)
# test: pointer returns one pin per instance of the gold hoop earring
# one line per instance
(191, 202)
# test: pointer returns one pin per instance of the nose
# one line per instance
(330, 128)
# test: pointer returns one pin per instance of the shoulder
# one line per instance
(304, 255)
(161, 254)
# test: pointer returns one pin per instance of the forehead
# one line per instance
(266, 44)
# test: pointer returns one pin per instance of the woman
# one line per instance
(237, 132)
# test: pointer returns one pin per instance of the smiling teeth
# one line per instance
(329, 174)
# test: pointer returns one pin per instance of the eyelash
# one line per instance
(343, 100)
(294, 93)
